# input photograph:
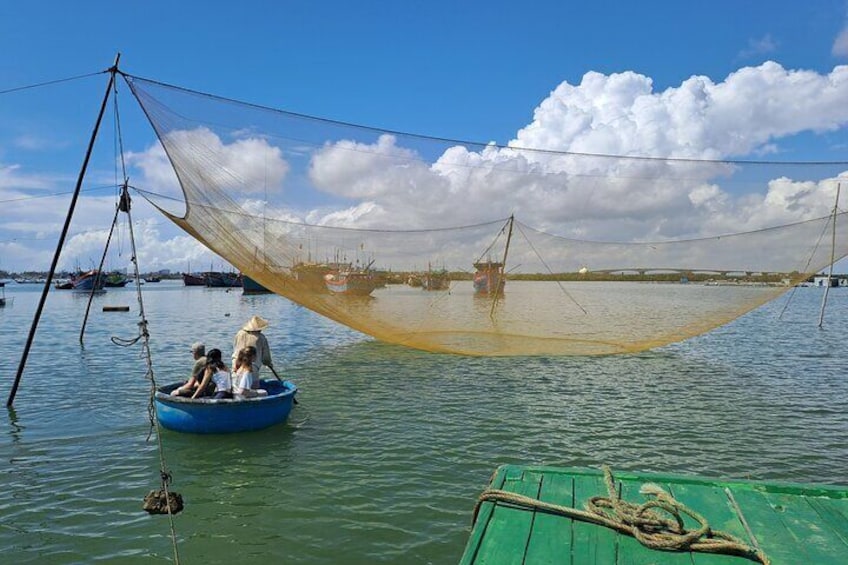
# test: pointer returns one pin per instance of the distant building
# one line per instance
(834, 282)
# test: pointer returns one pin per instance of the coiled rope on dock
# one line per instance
(641, 521)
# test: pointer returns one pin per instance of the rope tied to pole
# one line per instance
(645, 522)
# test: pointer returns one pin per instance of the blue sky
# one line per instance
(463, 70)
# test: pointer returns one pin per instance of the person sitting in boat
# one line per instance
(216, 380)
(250, 335)
(198, 351)
(245, 380)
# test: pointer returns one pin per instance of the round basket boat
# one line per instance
(224, 416)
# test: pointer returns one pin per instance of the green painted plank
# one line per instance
(508, 531)
(551, 536)
(834, 513)
(484, 516)
(774, 538)
(820, 540)
(591, 544)
(787, 488)
(630, 550)
(711, 502)
(793, 524)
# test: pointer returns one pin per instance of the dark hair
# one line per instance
(213, 358)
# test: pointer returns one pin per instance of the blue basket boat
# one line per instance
(209, 416)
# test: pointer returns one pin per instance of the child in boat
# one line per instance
(216, 378)
(245, 381)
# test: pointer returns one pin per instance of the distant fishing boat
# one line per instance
(223, 280)
(489, 277)
(2, 293)
(194, 279)
(311, 275)
(153, 279)
(90, 280)
(250, 286)
(116, 280)
(355, 283)
(438, 279)
(541, 514)
(210, 416)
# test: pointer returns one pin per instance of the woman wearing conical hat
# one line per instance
(250, 335)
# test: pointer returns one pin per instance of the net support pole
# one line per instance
(112, 71)
(832, 254)
(502, 273)
(100, 276)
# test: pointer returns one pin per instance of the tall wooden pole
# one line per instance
(832, 255)
(502, 274)
(112, 71)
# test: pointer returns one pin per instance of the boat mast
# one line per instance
(112, 72)
(832, 254)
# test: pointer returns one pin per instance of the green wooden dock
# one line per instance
(787, 523)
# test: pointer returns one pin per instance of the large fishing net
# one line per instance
(480, 249)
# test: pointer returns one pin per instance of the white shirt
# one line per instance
(246, 385)
(222, 381)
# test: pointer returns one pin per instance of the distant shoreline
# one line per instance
(399, 277)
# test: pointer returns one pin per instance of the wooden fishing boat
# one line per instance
(2, 293)
(194, 279)
(116, 279)
(209, 416)
(250, 286)
(354, 283)
(489, 277)
(223, 280)
(438, 279)
(311, 275)
(90, 280)
(777, 523)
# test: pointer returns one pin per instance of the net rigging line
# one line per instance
(54, 194)
(51, 82)
(147, 194)
(129, 78)
(550, 271)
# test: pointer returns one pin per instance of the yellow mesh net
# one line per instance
(356, 224)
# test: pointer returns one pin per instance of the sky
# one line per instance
(721, 80)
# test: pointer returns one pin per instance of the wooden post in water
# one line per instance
(112, 71)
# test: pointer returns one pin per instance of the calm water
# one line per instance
(385, 455)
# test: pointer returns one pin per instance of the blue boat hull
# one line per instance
(250, 286)
(208, 416)
(86, 281)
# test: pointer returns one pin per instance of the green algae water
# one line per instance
(382, 460)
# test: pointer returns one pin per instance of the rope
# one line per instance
(164, 500)
(641, 521)
(494, 241)
(144, 337)
(49, 82)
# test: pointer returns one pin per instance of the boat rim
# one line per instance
(162, 394)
